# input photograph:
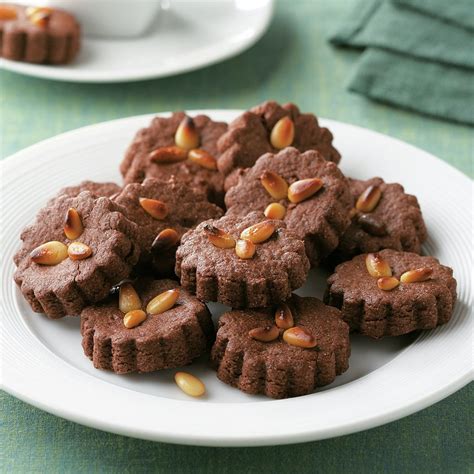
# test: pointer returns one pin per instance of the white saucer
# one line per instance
(44, 365)
(188, 35)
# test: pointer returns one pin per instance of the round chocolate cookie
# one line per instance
(154, 153)
(242, 261)
(77, 249)
(407, 292)
(383, 217)
(279, 368)
(266, 129)
(164, 211)
(320, 212)
(171, 338)
(38, 34)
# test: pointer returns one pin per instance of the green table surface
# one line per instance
(292, 62)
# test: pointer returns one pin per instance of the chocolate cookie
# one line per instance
(308, 348)
(242, 261)
(267, 128)
(168, 331)
(181, 147)
(77, 249)
(312, 195)
(164, 211)
(392, 293)
(96, 189)
(38, 34)
(383, 217)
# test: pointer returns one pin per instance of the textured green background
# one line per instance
(292, 62)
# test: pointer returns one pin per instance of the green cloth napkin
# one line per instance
(456, 11)
(413, 59)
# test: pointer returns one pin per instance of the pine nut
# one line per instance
(372, 225)
(274, 184)
(245, 249)
(284, 317)
(190, 384)
(218, 237)
(73, 227)
(134, 318)
(187, 136)
(304, 189)
(377, 266)
(264, 334)
(300, 337)
(50, 253)
(78, 251)
(165, 240)
(202, 158)
(167, 155)
(258, 233)
(283, 133)
(387, 283)
(369, 199)
(163, 302)
(156, 209)
(128, 298)
(275, 211)
(414, 276)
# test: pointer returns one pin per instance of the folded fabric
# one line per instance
(410, 32)
(416, 58)
(421, 86)
(459, 12)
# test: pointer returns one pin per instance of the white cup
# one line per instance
(108, 18)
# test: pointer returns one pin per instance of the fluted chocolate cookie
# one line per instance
(282, 352)
(38, 34)
(392, 293)
(309, 193)
(76, 250)
(181, 147)
(150, 325)
(267, 128)
(164, 211)
(383, 217)
(242, 261)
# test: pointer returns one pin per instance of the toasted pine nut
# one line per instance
(377, 266)
(264, 334)
(163, 302)
(300, 337)
(73, 226)
(128, 298)
(284, 316)
(186, 135)
(258, 233)
(50, 253)
(283, 133)
(190, 384)
(417, 275)
(134, 318)
(275, 211)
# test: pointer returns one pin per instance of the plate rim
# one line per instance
(391, 415)
(58, 73)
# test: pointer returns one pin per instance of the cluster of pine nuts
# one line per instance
(380, 269)
(245, 245)
(54, 252)
(187, 141)
(284, 322)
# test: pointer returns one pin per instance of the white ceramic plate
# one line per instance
(43, 362)
(188, 34)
